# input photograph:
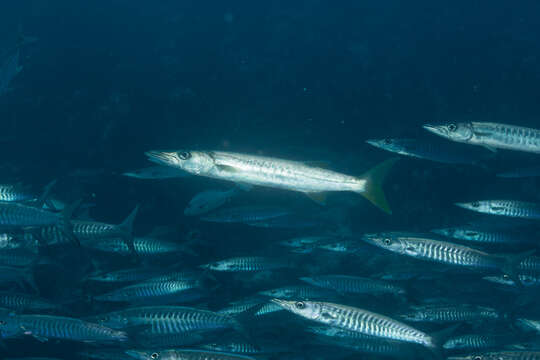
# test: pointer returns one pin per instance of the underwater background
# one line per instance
(106, 81)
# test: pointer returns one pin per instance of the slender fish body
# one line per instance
(354, 284)
(450, 313)
(185, 355)
(58, 327)
(163, 320)
(276, 173)
(247, 264)
(490, 135)
(508, 208)
(358, 320)
(499, 355)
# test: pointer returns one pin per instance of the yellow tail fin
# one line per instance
(374, 180)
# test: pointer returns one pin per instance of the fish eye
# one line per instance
(477, 357)
(387, 141)
(154, 355)
(475, 204)
(452, 127)
(387, 241)
(506, 276)
(184, 155)
(300, 305)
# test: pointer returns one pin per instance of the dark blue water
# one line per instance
(301, 80)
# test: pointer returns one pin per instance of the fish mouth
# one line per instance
(435, 129)
(464, 205)
(161, 157)
(370, 238)
(374, 142)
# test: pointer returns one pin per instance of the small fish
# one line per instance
(358, 320)
(508, 208)
(428, 150)
(499, 355)
(234, 347)
(209, 200)
(354, 284)
(532, 171)
(299, 292)
(251, 303)
(26, 303)
(144, 246)
(44, 327)
(490, 135)
(248, 264)
(305, 244)
(15, 193)
(164, 320)
(476, 341)
(157, 173)
(450, 313)
(531, 279)
(277, 173)
(185, 355)
(422, 247)
(152, 291)
(88, 231)
(485, 235)
(245, 214)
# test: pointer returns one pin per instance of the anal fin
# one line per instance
(318, 197)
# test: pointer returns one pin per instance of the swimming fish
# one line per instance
(490, 135)
(277, 173)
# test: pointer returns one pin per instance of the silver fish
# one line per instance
(531, 279)
(425, 248)
(485, 235)
(44, 327)
(248, 263)
(156, 173)
(299, 292)
(163, 320)
(209, 200)
(441, 313)
(499, 355)
(276, 173)
(354, 284)
(15, 193)
(152, 291)
(26, 303)
(508, 208)
(490, 135)
(476, 341)
(428, 150)
(358, 320)
(245, 214)
(185, 355)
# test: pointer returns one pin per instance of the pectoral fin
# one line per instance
(490, 148)
(318, 197)
(226, 168)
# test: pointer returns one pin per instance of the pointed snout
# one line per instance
(161, 157)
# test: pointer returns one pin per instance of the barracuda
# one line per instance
(184, 355)
(509, 208)
(44, 327)
(277, 173)
(490, 135)
(425, 248)
(358, 320)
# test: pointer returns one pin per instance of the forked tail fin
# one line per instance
(374, 178)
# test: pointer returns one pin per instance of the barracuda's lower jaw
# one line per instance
(434, 129)
(159, 157)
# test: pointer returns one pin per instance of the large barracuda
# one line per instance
(277, 173)
(358, 320)
(490, 135)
